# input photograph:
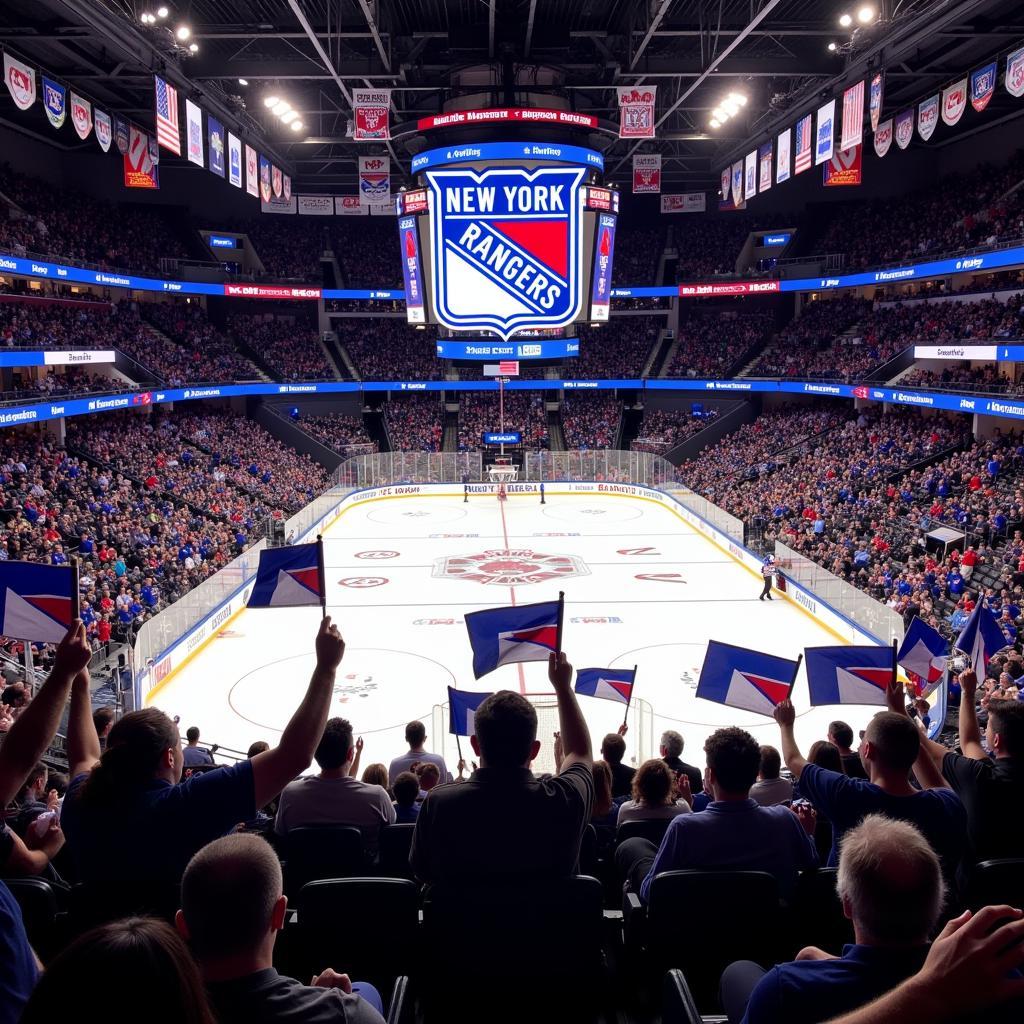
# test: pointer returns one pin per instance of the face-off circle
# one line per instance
(509, 567)
(362, 582)
(593, 515)
(377, 555)
(395, 516)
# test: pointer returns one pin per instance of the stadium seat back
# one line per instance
(678, 1005)
(321, 851)
(995, 882)
(816, 913)
(653, 830)
(395, 844)
(38, 904)
(588, 863)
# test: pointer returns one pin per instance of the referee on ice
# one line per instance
(768, 572)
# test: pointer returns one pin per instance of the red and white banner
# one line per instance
(270, 291)
(458, 117)
(1014, 79)
(286, 187)
(140, 169)
(853, 117)
(194, 134)
(374, 179)
(350, 206)
(804, 144)
(729, 288)
(646, 173)
(276, 182)
(954, 102)
(81, 116)
(928, 117)
(883, 138)
(371, 109)
(104, 130)
(636, 111)
(724, 189)
(167, 115)
(252, 171)
(686, 202)
(21, 82)
(844, 168)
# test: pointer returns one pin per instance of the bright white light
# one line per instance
(280, 107)
(715, 123)
(719, 114)
(146, 18)
(831, 47)
(296, 126)
(845, 20)
(243, 81)
(193, 47)
(738, 97)
(865, 14)
(270, 101)
(162, 12)
(732, 109)
(288, 116)
(183, 32)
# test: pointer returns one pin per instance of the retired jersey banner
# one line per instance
(686, 202)
(265, 191)
(764, 163)
(81, 116)
(646, 173)
(737, 182)
(21, 82)
(883, 138)
(235, 160)
(726, 179)
(104, 131)
(276, 181)
(371, 115)
(350, 206)
(194, 133)
(54, 102)
(636, 111)
(928, 117)
(374, 179)
(875, 97)
(824, 145)
(782, 155)
(844, 168)
(286, 187)
(853, 117)
(507, 248)
(140, 170)
(252, 174)
(954, 102)
(804, 134)
(983, 85)
(750, 175)
(904, 128)
(121, 134)
(1015, 73)
(215, 136)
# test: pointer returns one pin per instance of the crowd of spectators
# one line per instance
(619, 348)
(288, 247)
(388, 348)
(713, 345)
(590, 420)
(415, 423)
(338, 431)
(711, 244)
(291, 349)
(479, 414)
(662, 429)
(71, 380)
(637, 253)
(985, 379)
(368, 251)
(213, 354)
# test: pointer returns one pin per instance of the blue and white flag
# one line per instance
(54, 102)
(505, 636)
(924, 654)
(741, 678)
(606, 683)
(982, 639)
(215, 135)
(848, 675)
(289, 577)
(462, 707)
(38, 602)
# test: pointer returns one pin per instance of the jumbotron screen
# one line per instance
(506, 247)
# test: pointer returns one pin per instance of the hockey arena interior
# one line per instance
(512, 510)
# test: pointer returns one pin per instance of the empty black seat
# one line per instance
(321, 851)
(654, 830)
(395, 844)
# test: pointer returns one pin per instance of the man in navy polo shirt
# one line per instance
(890, 883)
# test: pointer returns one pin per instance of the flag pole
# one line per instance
(76, 610)
(561, 615)
(629, 699)
(320, 569)
(895, 667)
(796, 672)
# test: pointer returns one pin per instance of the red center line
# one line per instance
(511, 590)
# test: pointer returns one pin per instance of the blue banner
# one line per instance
(562, 348)
(509, 437)
(770, 241)
(411, 271)
(486, 152)
(604, 257)
(223, 242)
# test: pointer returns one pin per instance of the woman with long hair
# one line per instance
(654, 795)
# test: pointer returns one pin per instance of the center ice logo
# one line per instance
(508, 247)
(502, 567)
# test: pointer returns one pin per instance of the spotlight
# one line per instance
(289, 116)
(831, 47)
(296, 126)
(280, 107)
(738, 97)
(845, 20)
(731, 108)
(193, 47)
(270, 101)
(146, 18)
(715, 123)
(865, 14)
(719, 114)
(162, 12)
(243, 81)
(183, 32)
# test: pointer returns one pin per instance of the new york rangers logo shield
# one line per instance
(507, 247)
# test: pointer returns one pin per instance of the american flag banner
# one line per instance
(167, 116)
(802, 160)
(853, 116)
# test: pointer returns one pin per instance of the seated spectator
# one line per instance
(654, 795)
(770, 788)
(428, 777)
(613, 750)
(406, 788)
(604, 814)
(232, 907)
(416, 736)
(733, 833)
(841, 735)
(890, 883)
(194, 755)
(129, 817)
(671, 749)
(128, 964)
(503, 823)
(376, 775)
(334, 797)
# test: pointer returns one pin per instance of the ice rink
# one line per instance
(641, 587)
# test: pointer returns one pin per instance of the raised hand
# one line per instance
(73, 652)
(559, 670)
(330, 647)
(785, 713)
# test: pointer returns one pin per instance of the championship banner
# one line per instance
(350, 206)
(374, 179)
(804, 132)
(81, 116)
(140, 170)
(104, 130)
(983, 85)
(315, 206)
(286, 187)
(782, 151)
(686, 202)
(636, 111)
(167, 116)
(883, 138)
(265, 192)
(750, 175)
(737, 182)
(764, 161)
(853, 116)
(121, 134)
(824, 145)
(726, 179)
(875, 95)
(928, 117)
(21, 82)
(844, 168)
(54, 102)
(904, 129)
(954, 102)
(235, 160)
(215, 135)
(276, 181)
(278, 204)
(646, 173)
(1015, 73)
(371, 115)
(252, 174)
(194, 133)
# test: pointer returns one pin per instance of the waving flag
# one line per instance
(981, 639)
(505, 636)
(924, 655)
(606, 683)
(745, 679)
(289, 577)
(849, 675)
(461, 709)
(38, 602)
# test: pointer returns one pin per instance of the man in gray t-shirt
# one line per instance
(416, 736)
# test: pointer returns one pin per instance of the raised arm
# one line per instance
(970, 730)
(31, 734)
(785, 715)
(83, 742)
(274, 769)
(927, 768)
(573, 729)
(353, 767)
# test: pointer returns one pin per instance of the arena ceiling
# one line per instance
(431, 52)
